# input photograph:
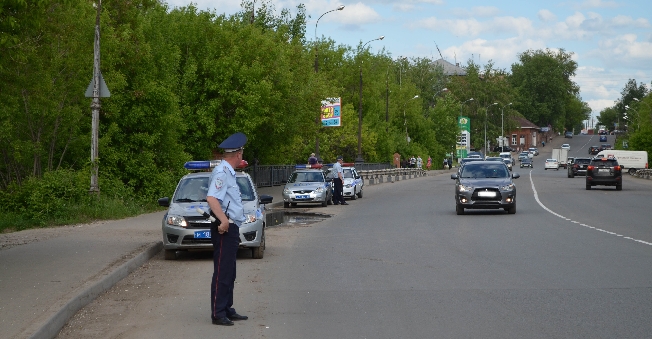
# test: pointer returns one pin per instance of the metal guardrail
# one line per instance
(274, 175)
(644, 173)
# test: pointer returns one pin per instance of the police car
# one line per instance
(307, 184)
(353, 182)
(185, 228)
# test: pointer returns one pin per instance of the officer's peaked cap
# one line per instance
(234, 142)
(339, 157)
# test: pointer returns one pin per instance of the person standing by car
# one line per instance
(226, 206)
(338, 181)
(312, 160)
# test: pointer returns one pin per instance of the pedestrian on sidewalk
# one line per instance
(338, 181)
(429, 163)
(226, 207)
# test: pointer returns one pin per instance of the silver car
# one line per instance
(307, 186)
(485, 185)
(353, 183)
(184, 228)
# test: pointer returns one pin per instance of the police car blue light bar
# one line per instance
(208, 164)
(308, 166)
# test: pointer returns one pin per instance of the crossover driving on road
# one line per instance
(485, 185)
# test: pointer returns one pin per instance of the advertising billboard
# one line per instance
(331, 109)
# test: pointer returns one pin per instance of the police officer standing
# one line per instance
(226, 205)
(338, 180)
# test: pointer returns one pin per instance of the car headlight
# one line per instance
(249, 218)
(463, 188)
(286, 191)
(348, 186)
(509, 187)
(175, 220)
(320, 189)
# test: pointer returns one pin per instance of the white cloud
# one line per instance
(546, 16)
(478, 11)
(597, 4)
(472, 27)
(502, 52)
(358, 14)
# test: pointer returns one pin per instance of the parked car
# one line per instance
(307, 186)
(568, 134)
(604, 171)
(353, 182)
(185, 228)
(502, 149)
(485, 185)
(551, 164)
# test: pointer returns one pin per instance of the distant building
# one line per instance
(448, 68)
(527, 135)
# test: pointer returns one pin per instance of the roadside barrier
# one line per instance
(374, 177)
(644, 173)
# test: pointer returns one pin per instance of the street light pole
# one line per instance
(502, 125)
(486, 114)
(407, 137)
(359, 158)
(339, 8)
(646, 104)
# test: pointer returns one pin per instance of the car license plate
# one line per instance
(202, 234)
(305, 196)
(487, 194)
(604, 170)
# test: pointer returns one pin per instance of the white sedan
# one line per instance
(565, 146)
(552, 164)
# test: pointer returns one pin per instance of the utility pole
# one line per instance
(95, 105)
(96, 89)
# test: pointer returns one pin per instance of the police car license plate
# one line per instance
(302, 196)
(604, 170)
(486, 194)
(202, 234)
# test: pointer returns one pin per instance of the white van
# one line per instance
(631, 161)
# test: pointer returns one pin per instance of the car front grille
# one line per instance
(302, 191)
(198, 222)
(497, 198)
(190, 240)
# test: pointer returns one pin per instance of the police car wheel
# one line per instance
(286, 205)
(259, 252)
(360, 194)
(324, 203)
(170, 254)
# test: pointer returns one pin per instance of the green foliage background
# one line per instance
(181, 80)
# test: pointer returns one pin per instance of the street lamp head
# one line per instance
(381, 37)
(636, 99)
(341, 7)
(416, 96)
(495, 103)
(470, 99)
(626, 107)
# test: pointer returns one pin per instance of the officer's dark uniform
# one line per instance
(223, 187)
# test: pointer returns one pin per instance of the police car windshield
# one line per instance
(306, 177)
(195, 189)
(192, 190)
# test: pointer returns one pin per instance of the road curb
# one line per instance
(51, 328)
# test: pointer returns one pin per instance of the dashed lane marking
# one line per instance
(536, 197)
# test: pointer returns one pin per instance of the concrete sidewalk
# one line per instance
(50, 274)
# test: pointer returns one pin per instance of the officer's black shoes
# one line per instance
(336, 203)
(223, 321)
(236, 316)
(344, 203)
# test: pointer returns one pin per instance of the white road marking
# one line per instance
(536, 197)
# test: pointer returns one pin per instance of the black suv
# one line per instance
(604, 171)
(578, 167)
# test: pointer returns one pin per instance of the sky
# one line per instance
(611, 41)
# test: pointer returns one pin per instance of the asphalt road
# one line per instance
(400, 263)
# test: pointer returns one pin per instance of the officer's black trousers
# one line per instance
(225, 249)
(339, 188)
